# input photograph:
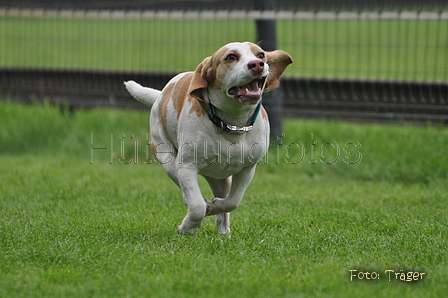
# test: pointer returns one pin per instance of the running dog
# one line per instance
(211, 122)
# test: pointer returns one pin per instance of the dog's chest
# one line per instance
(220, 158)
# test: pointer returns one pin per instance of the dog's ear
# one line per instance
(200, 79)
(277, 61)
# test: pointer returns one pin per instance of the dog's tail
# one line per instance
(145, 95)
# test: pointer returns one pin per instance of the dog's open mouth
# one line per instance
(250, 92)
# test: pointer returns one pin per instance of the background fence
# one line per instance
(363, 64)
(288, 5)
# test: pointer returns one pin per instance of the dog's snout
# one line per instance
(256, 66)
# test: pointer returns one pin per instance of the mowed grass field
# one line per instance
(396, 49)
(83, 222)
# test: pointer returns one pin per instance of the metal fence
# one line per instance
(385, 64)
(287, 5)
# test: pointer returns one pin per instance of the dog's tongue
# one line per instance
(250, 89)
(253, 86)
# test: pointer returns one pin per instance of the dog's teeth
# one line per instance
(247, 90)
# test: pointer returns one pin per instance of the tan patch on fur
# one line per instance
(255, 49)
(153, 149)
(163, 106)
(264, 114)
(196, 106)
(278, 61)
(218, 68)
(180, 92)
(177, 93)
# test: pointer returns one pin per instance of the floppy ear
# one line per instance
(277, 61)
(200, 81)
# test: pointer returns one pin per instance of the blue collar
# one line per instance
(222, 126)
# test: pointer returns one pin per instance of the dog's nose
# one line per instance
(256, 66)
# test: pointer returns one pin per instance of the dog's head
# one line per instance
(241, 71)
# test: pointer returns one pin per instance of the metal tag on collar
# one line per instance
(237, 129)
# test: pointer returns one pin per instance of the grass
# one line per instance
(77, 225)
(396, 49)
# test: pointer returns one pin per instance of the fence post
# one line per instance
(267, 39)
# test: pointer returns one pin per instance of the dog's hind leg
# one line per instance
(221, 189)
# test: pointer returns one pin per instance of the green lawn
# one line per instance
(403, 49)
(75, 224)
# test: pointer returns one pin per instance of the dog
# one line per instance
(211, 122)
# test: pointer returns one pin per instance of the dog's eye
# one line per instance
(260, 55)
(231, 57)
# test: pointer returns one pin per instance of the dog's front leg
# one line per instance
(240, 182)
(197, 207)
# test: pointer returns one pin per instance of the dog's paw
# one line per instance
(185, 231)
(189, 227)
